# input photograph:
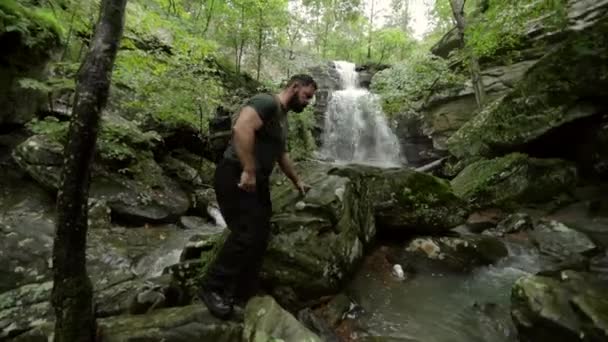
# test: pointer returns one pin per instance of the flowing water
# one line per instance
(436, 307)
(355, 128)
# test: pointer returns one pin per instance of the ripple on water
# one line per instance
(442, 307)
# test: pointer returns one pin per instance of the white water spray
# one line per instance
(355, 126)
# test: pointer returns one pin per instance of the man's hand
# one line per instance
(302, 187)
(247, 181)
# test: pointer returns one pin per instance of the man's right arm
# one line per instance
(244, 137)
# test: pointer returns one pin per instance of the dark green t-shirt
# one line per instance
(270, 139)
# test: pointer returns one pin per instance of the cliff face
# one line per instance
(28, 39)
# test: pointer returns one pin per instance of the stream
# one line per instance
(438, 307)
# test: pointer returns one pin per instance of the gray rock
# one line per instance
(146, 197)
(265, 320)
(99, 214)
(454, 254)
(182, 324)
(514, 179)
(513, 223)
(560, 242)
(571, 307)
(317, 243)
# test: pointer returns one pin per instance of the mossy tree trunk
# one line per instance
(458, 12)
(72, 290)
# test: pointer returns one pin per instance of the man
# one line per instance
(259, 138)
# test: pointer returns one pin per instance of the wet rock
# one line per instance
(26, 231)
(512, 180)
(335, 310)
(454, 254)
(571, 307)
(265, 320)
(564, 244)
(317, 325)
(514, 223)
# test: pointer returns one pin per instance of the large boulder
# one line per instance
(146, 195)
(448, 110)
(513, 179)
(28, 41)
(317, 240)
(565, 85)
(571, 307)
(407, 201)
(561, 244)
(188, 323)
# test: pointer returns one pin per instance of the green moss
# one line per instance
(408, 200)
(550, 95)
(38, 27)
(513, 179)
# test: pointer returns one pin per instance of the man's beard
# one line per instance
(295, 105)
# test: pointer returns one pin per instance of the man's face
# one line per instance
(302, 95)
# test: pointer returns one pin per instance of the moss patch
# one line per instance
(513, 179)
(563, 86)
(38, 28)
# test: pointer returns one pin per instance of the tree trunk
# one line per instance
(371, 30)
(458, 11)
(208, 17)
(72, 291)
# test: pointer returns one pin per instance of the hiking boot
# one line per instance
(218, 305)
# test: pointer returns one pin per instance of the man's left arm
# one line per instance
(287, 167)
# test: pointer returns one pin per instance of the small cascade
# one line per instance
(356, 129)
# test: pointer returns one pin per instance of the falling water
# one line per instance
(355, 126)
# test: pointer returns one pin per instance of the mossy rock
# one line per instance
(317, 240)
(569, 308)
(512, 180)
(565, 85)
(36, 29)
(408, 201)
(266, 321)
(29, 37)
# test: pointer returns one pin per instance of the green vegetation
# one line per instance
(503, 26)
(37, 27)
(407, 84)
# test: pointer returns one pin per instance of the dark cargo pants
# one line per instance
(236, 268)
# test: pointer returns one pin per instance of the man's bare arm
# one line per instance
(287, 167)
(244, 137)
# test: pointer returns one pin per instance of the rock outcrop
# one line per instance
(513, 179)
(26, 50)
(570, 307)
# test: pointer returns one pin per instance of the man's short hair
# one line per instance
(302, 79)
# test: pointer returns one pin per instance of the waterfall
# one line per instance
(355, 126)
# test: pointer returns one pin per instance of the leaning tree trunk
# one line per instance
(458, 11)
(72, 290)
